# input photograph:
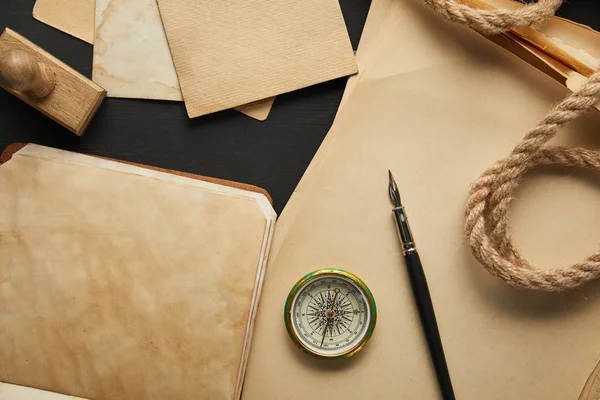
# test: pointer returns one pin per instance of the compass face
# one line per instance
(330, 313)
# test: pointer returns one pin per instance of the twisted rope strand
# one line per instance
(488, 204)
(496, 21)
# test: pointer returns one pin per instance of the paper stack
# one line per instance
(225, 54)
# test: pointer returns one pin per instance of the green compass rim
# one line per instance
(332, 272)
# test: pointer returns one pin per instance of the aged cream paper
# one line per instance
(437, 105)
(567, 51)
(131, 56)
(119, 282)
(231, 53)
(377, 15)
(582, 38)
(568, 41)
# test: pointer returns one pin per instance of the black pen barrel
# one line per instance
(425, 306)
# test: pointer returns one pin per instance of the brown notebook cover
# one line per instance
(14, 147)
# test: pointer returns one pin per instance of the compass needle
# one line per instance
(325, 332)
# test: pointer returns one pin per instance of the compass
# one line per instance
(330, 313)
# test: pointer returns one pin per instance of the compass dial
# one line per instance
(330, 313)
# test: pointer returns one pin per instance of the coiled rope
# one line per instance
(487, 213)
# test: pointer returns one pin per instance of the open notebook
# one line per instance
(124, 282)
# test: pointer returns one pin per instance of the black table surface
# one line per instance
(272, 154)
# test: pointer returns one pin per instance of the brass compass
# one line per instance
(330, 313)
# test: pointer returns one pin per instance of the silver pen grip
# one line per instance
(408, 243)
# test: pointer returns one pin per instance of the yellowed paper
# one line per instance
(131, 57)
(378, 13)
(577, 36)
(545, 63)
(231, 53)
(14, 392)
(259, 110)
(575, 45)
(119, 282)
(437, 108)
(565, 50)
(131, 54)
(75, 17)
(591, 390)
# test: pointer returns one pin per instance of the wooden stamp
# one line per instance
(46, 83)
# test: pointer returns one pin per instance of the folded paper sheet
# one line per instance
(120, 282)
(132, 58)
(231, 53)
(437, 105)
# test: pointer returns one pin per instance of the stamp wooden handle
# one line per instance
(21, 72)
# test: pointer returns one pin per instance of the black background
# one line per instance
(272, 154)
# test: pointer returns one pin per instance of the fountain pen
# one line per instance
(421, 292)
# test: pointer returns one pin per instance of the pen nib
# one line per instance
(393, 190)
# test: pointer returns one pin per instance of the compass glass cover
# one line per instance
(330, 315)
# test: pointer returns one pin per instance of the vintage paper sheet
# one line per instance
(131, 56)
(375, 19)
(565, 50)
(437, 105)
(259, 110)
(573, 44)
(119, 282)
(377, 14)
(582, 40)
(231, 53)
(75, 17)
